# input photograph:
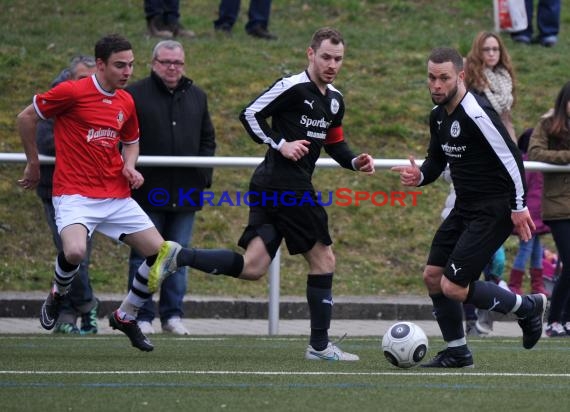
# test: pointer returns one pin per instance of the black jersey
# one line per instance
(298, 111)
(483, 160)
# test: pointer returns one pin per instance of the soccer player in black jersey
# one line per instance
(306, 113)
(488, 174)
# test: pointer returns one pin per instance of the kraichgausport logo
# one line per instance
(340, 197)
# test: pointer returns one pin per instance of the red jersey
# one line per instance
(90, 123)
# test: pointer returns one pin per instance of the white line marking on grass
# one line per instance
(291, 373)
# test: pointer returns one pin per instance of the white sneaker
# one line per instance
(503, 284)
(175, 325)
(484, 321)
(145, 327)
(330, 353)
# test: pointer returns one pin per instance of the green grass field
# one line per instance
(230, 373)
(380, 250)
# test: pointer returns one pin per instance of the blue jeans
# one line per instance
(560, 299)
(80, 298)
(547, 19)
(258, 13)
(168, 9)
(529, 250)
(178, 228)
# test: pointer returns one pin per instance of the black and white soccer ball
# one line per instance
(404, 344)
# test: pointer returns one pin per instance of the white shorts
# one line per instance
(111, 217)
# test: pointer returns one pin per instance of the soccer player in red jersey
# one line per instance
(93, 179)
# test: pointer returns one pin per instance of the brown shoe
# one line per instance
(179, 31)
(261, 33)
(157, 29)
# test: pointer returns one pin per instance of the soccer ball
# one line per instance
(404, 344)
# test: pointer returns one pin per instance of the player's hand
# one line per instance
(364, 163)
(524, 226)
(134, 177)
(409, 175)
(295, 150)
(31, 177)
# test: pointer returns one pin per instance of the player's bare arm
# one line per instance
(364, 163)
(409, 175)
(295, 150)
(130, 156)
(27, 122)
(523, 223)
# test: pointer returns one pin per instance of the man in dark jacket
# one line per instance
(174, 121)
(80, 301)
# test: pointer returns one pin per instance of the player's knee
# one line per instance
(322, 262)
(453, 291)
(251, 276)
(75, 254)
(432, 279)
(254, 269)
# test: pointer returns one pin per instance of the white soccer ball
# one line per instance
(404, 344)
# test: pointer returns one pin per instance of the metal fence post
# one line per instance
(274, 285)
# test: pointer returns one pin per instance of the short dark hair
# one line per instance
(326, 33)
(446, 54)
(112, 43)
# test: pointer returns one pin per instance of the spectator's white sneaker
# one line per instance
(502, 284)
(145, 327)
(175, 325)
(330, 353)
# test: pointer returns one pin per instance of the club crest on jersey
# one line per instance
(120, 118)
(334, 106)
(455, 129)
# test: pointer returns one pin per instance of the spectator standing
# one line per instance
(487, 173)
(174, 121)
(163, 19)
(550, 143)
(489, 72)
(80, 300)
(258, 18)
(531, 251)
(547, 23)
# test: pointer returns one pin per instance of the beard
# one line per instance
(447, 98)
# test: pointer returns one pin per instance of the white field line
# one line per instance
(291, 373)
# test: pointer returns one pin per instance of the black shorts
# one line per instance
(300, 225)
(467, 239)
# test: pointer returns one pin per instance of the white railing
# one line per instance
(218, 161)
(233, 162)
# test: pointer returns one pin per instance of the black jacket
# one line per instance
(173, 123)
(46, 146)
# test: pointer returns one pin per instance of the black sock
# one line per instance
(449, 316)
(150, 260)
(526, 307)
(212, 261)
(319, 298)
(64, 264)
(490, 296)
(64, 273)
(469, 311)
